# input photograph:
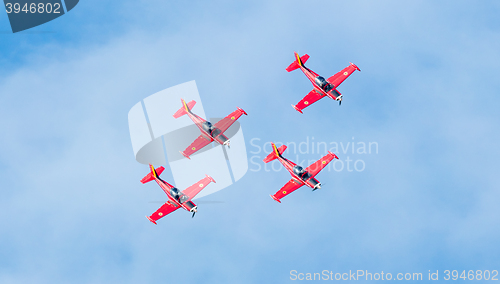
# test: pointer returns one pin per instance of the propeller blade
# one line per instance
(194, 212)
(340, 103)
(319, 187)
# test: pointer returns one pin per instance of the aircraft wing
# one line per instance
(163, 211)
(308, 100)
(193, 190)
(315, 168)
(227, 121)
(338, 78)
(288, 188)
(197, 144)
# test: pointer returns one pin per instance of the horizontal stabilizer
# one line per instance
(299, 61)
(154, 172)
(275, 153)
(184, 109)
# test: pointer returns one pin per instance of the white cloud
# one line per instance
(73, 202)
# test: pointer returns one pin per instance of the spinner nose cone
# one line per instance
(194, 210)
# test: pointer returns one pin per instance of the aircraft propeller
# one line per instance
(317, 187)
(194, 212)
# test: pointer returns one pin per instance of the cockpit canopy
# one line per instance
(298, 170)
(210, 128)
(301, 172)
(323, 84)
(207, 126)
(320, 81)
(178, 195)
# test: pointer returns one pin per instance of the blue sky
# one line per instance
(72, 206)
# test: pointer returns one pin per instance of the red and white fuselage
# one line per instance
(167, 187)
(176, 198)
(322, 87)
(309, 181)
(209, 132)
(313, 77)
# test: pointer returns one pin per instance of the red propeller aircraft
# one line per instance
(322, 88)
(300, 176)
(176, 199)
(209, 132)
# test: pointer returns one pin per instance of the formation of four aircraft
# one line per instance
(210, 133)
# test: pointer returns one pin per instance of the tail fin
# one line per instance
(154, 173)
(186, 107)
(276, 153)
(299, 61)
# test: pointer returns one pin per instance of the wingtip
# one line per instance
(276, 199)
(334, 156)
(211, 179)
(355, 66)
(297, 109)
(244, 112)
(184, 155)
(152, 221)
